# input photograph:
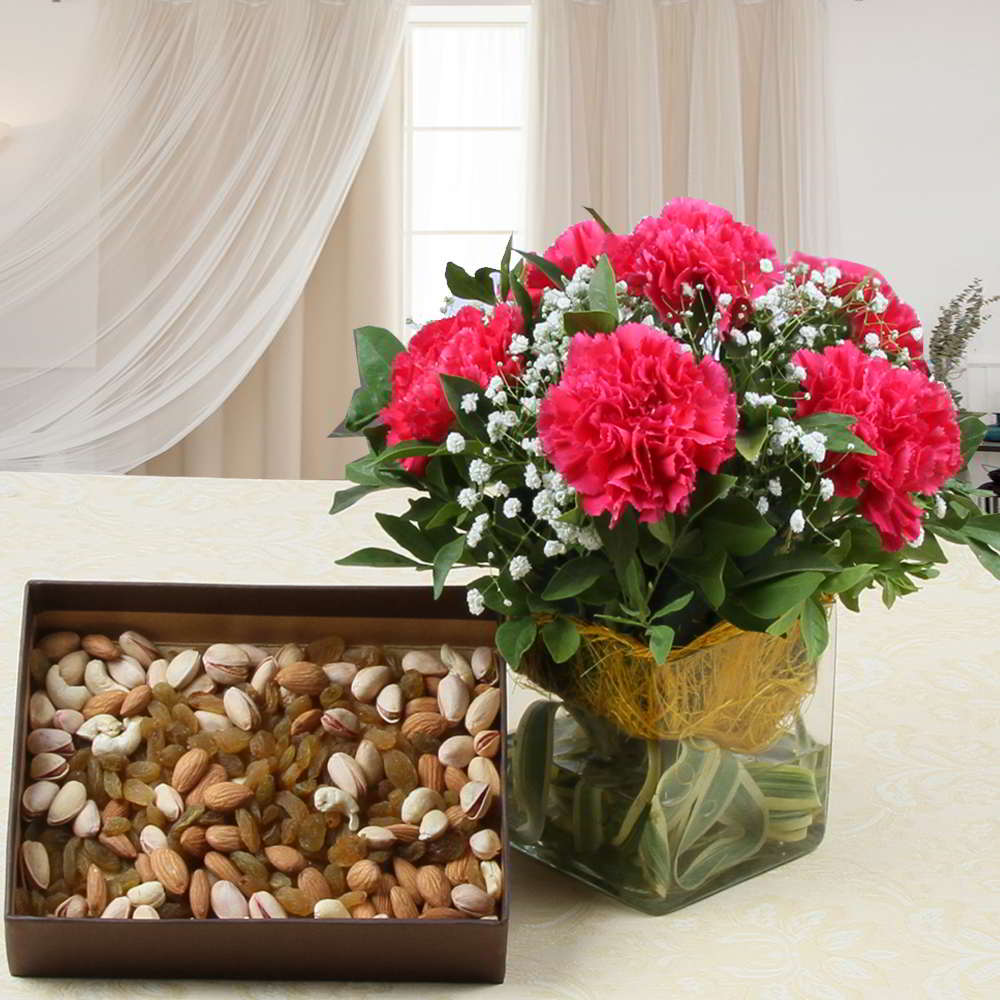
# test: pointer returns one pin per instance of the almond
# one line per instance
(364, 876)
(194, 843)
(97, 891)
(455, 778)
(108, 703)
(189, 769)
(307, 722)
(136, 701)
(285, 859)
(434, 887)
(406, 833)
(225, 839)
(313, 884)
(415, 705)
(403, 907)
(465, 869)
(441, 913)
(221, 867)
(431, 772)
(101, 647)
(214, 774)
(224, 796)
(302, 678)
(363, 911)
(457, 820)
(199, 893)
(145, 868)
(426, 723)
(120, 844)
(406, 876)
(171, 870)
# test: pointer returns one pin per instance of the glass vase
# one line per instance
(659, 823)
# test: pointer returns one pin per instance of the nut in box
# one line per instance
(222, 761)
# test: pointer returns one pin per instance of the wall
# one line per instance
(915, 88)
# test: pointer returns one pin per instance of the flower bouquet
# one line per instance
(671, 454)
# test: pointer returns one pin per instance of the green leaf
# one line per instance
(708, 490)
(531, 765)
(477, 287)
(379, 557)
(597, 218)
(454, 388)
(405, 449)
(550, 270)
(985, 528)
(674, 606)
(408, 535)
(836, 428)
(505, 270)
(815, 629)
(589, 322)
(782, 625)
(774, 598)
(706, 571)
(989, 559)
(523, 300)
(849, 578)
(445, 514)
(929, 550)
(343, 499)
(664, 531)
(515, 637)
(973, 430)
(446, 557)
(737, 525)
(795, 562)
(574, 577)
(601, 296)
(561, 639)
(749, 442)
(364, 407)
(376, 349)
(661, 641)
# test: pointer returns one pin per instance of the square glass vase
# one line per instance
(659, 823)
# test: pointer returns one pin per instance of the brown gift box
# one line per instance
(435, 950)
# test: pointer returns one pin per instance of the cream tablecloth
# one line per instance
(902, 900)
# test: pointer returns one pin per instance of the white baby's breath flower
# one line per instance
(495, 426)
(739, 337)
(475, 533)
(519, 567)
(479, 471)
(872, 340)
(589, 538)
(918, 541)
(687, 291)
(797, 522)
(469, 402)
(553, 548)
(754, 336)
(836, 301)
(533, 446)
(496, 385)
(531, 405)
(880, 303)
(814, 446)
(532, 477)
(917, 333)
(455, 443)
(797, 372)
(496, 489)
(724, 299)
(763, 506)
(511, 507)
(518, 344)
(774, 487)
(880, 354)
(940, 506)
(831, 275)
(475, 599)
(468, 498)
(766, 265)
(825, 488)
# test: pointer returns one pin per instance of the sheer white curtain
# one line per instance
(639, 101)
(148, 268)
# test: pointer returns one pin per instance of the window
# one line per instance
(464, 143)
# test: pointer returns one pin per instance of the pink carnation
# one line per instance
(693, 242)
(633, 420)
(580, 244)
(893, 327)
(463, 344)
(909, 421)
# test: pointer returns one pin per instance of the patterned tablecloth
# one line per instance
(902, 900)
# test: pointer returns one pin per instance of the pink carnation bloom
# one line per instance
(693, 242)
(909, 421)
(893, 327)
(633, 420)
(463, 344)
(580, 244)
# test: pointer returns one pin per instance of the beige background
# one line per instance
(902, 900)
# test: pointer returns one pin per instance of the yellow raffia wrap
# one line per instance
(739, 689)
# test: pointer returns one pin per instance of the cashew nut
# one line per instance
(326, 799)
(127, 671)
(125, 743)
(64, 695)
(72, 665)
(98, 725)
(98, 680)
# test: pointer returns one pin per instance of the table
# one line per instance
(902, 900)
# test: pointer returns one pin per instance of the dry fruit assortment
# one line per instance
(234, 780)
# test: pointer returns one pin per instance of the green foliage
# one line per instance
(476, 287)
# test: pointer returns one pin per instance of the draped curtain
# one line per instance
(639, 101)
(148, 266)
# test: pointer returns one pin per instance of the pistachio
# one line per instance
(484, 665)
(168, 800)
(118, 909)
(346, 773)
(482, 711)
(485, 844)
(458, 665)
(241, 709)
(127, 671)
(389, 703)
(368, 681)
(264, 673)
(56, 645)
(475, 798)
(331, 909)
(457, 751)
(493, 878)
(453, 697)
(484, 770)
(50, 741)
(368, 756)
(183, 668)
(418, 803)
(38, 797)
(228, 903)
(88, 821)
(263, 906)
(36, 863)
(139, 648)
(256, 654)
(433, 824)
(424, 662)
(67, 804)
(73, 665)
(68, 720)
(145, 912)
(225, 663)
(152, 838)
(472, 900)
(341, 673)
(41, 711)
(211, 722)
(50, 766)
(487, 742)
(147, 894)
(73, 907)
(288, 654)
(341, 722)
(157, 673)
